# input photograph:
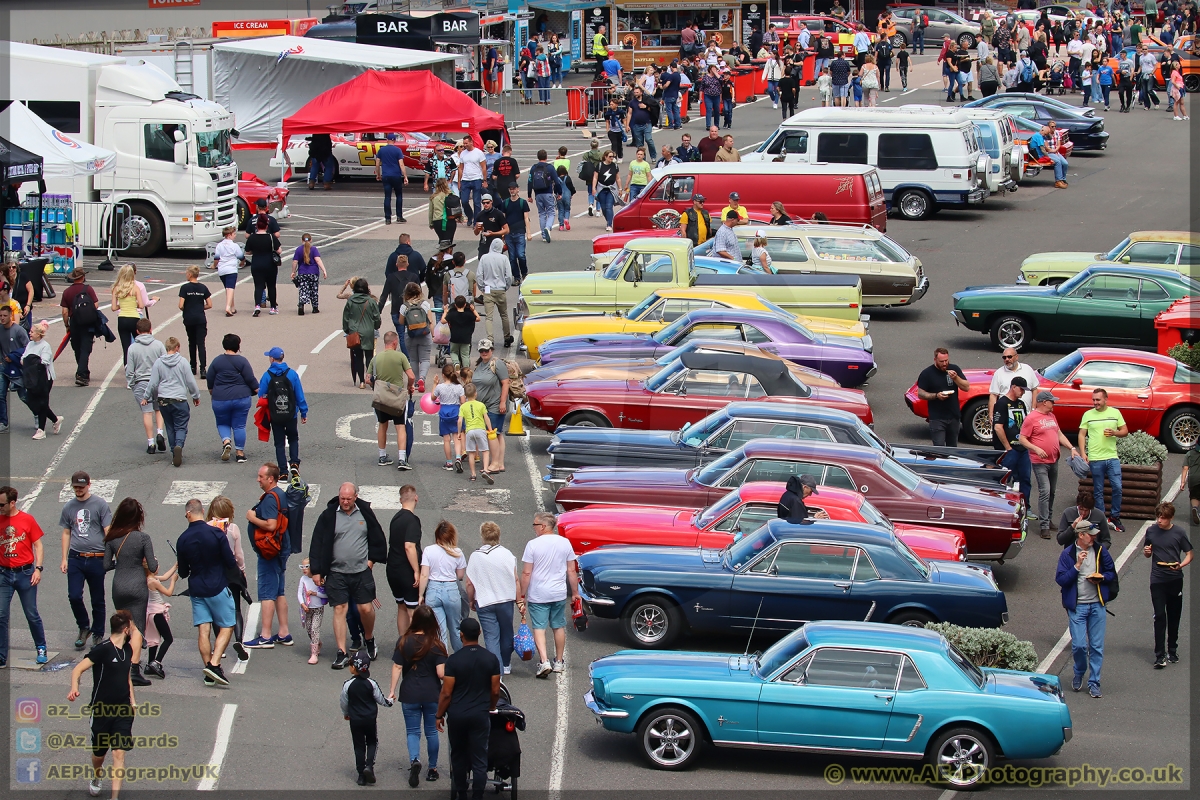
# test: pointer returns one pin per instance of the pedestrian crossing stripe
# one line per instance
(387, 497)
(183, 491)
(106, 489)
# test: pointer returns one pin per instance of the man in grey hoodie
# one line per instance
(171, 384)
(143, 352)
(493, 277)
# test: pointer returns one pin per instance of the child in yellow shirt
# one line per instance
(473, 421)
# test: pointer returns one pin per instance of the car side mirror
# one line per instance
(180, 155)
(1077, 384)
(1125, 259)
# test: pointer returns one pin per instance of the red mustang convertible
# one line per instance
(989, 518)
(1154, 393)
(737, 514)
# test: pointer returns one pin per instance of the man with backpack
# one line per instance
(642, 117)
(13, 340)
(81, 316)
(541, 190)
(280, 386)
(587, 168)
(918, 29)
(268, 529)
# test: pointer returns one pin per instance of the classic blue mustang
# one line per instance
(834, 687)
(781, 576)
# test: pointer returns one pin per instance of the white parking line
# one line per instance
(1134, 545)
(224, 731)
(558, 753)
(326, 341)
(300, 370)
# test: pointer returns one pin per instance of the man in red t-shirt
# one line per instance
(20, 570)
(1042, 437)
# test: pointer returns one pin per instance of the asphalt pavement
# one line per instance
(278, 726)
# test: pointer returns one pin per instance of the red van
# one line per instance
(843, 192)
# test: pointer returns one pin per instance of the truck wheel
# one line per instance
(976, 425)
(1181, 429)
(651, 622)
(966, 39)
(144, 231)
(587, 419)
(1011, 330)
(243, 213)
(670, 738)
(667, 219)
(914, 204)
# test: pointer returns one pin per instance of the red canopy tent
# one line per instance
(377, 102)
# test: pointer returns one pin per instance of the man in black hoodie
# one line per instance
(347, 542)
(791, 505)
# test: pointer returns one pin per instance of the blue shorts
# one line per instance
(271, 572)
(548, 615)
(230, 280)
(216, 610)
(841, 91)
(497, 422)
(448, 425)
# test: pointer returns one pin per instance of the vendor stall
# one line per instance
(648, 33)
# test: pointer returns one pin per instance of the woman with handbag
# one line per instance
(360, 320)
(442, 567)
(441, 222)
(307, 271)
(262, 250)
(492, 584)
(126, 548)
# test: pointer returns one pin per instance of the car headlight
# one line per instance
(598, 690)
(205, 216)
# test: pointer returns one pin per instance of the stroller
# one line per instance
(504, 746)
(1057, 81)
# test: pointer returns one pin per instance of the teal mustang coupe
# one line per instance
(1105, 303)
(859, 688)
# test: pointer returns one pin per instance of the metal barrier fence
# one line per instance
(101, 226)
(568, 107)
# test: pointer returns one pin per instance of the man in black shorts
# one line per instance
(404, 557)
(347, 542)
(111, 704)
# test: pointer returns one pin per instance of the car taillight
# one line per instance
(970, 174)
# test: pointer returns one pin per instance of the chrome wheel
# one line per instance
(966, 39)
(1191, 83)
(669, 740)
(137, 231)
(1183, 429)
(899, 41)
(649, 624)
(962, 760)
(1012, 334)
(914, 205)
(981, 425)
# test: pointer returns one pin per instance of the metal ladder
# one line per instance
(184, 61)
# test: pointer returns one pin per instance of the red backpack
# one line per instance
(269, 544)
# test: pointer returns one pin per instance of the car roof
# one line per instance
(763, 168)
(828, 495)
(796, 230)
(863, 117)
(1172, 275)
(829, 530)
(801, 412)
(773, 375)
(1135, 356)
(874, 634)
(705, 293)
(738, 313)
(835, 451)
(1187, 237)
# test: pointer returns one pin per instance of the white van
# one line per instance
(995, 134)
(927, 160)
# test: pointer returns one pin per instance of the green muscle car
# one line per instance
(1108, 303)
(1177, 250)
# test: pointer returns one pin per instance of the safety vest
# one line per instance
(599, 45)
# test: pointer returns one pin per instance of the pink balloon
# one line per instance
(428, 405)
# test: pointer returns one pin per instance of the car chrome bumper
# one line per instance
(588, 600)
(529, 415)
(1013, 550)
(1021, 281)
(959, 319)
(558, 476)
(601, 713)
(920, 289)
(977, 196)
(1006, 186)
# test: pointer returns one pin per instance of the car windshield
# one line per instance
(900, 473)
(674, 329)
(213, 149)
(917, 562)
(962, 662)
(659, 379)
(872, 438)
(637, 311)
(745, 549)
(694, 435)
(872, 516)
(714, 471)
(781, 653)
(1072, 283)
(898, 253)
(1060, 370)
(767, 304)
(718, 509)
(617, 265)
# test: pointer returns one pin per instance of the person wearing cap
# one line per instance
(360, 701)
(389, 170)
(1042, 437)
(273, 386)
(791, 504)
(1085, 575)
(1002, 377)
(470, 691)
(588, 165)
(742, 213)
(436, 270)
(491, 225)
(491, 382)
(1007, 416)
(725, 241)
(82, 324)
(260, 210)
(84, 521)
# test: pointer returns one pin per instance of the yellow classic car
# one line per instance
(661, 308)
(1177, 250)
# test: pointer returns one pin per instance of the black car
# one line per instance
(738, 423)
(1086, 129)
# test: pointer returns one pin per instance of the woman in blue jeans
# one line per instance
(420, 656)
(492, 583)
(232, 384)
(442, 566)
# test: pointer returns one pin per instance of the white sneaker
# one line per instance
(506, 670)
(58, 424)
(775, 105)
(94, 787)
(559, 665)
(1178, 119)
(543, 669)
(40, 434)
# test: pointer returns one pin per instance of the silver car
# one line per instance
(941, 23)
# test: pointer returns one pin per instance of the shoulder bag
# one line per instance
(389, 398)
(354, 338)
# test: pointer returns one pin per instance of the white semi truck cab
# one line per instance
(174, 166)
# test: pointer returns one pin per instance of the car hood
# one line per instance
(610, 385)
(588, 367)
(616, 345)
(676, 666)
(624, 518)
(612, 560)
(1030, 685)
(547, 285)
(576, 438)
(606, 476)
(1059, 261)
(966, 575)
(915, 455)
(964, 496)
(1006, 289)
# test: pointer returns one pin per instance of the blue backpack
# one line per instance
(1027, 72)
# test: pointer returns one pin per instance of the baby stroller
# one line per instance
(504, 746)
(1057, 81)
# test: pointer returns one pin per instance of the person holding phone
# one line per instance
(938, 385)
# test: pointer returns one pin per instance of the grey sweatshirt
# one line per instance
(171, 378)
(143, 352)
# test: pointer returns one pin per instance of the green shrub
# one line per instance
(989, 647)
(1140, 449)
(1185, 354)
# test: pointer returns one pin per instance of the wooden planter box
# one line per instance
(1141, 489)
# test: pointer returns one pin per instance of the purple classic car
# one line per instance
(843, 358)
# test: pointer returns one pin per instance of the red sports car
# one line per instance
(251, 188)
(736, 514)
(1154, 393)
(687, 389)
(989, 518)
